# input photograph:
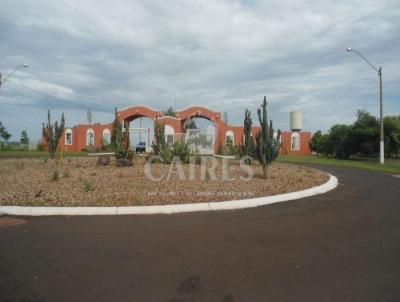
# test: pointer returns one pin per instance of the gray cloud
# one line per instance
(223, 54)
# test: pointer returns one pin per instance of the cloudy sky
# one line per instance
(223, 54)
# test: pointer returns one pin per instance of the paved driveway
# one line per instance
(341, 246)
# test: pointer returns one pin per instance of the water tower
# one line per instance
(295, 121)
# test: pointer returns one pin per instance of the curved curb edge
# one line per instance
(170, 209)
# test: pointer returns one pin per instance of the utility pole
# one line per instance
(381, 143)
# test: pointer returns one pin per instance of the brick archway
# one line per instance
(198, 111)
(133, 112)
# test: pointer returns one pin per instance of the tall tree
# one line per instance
(89, 116)
(4, 133)
(189, 123)
(225, 117)
(52, 133)
(339, 138)
(363, 135)
(24, 137)
(392, 135)
(170, 112)
(320, 143)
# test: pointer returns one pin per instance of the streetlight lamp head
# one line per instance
(25, 65)
(348, 49)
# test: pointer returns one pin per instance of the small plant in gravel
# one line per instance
(208, 177)
(55, 176)
(180, 149)
(196, 156)
(66, 174)
(78, 165)
(93, 174)
(45, 160)
(87, 186)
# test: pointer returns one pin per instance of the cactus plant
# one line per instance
(122, 147)
(159, 133)
(120, 139)
(247, 148)
(267, 147)
(116, 130)
(52, 133)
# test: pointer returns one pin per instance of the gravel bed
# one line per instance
(81, 183)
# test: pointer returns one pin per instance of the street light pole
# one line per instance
(11, 73)
(379, 71)
(381, 143)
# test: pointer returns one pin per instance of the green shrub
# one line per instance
(180, 149)
(106, 147)
(167, 154)
(87, 186)
(40, 146)
(55, 176)
(230, 150)
(208, 177)
(195, 154)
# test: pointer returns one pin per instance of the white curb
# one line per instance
(169, 209)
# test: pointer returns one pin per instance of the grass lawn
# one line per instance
(37, 154)
(390, 166)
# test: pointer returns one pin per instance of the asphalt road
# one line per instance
(341, 246)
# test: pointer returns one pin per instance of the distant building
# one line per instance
(208, 140)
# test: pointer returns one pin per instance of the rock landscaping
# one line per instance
(81, 182)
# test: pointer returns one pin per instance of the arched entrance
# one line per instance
(200, 134)
(203, 134)
(140, 121)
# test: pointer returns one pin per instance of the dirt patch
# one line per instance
(79, 182)
(9, 221)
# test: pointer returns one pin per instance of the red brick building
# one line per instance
(81, 136)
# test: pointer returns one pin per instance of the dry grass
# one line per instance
(81, 183)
